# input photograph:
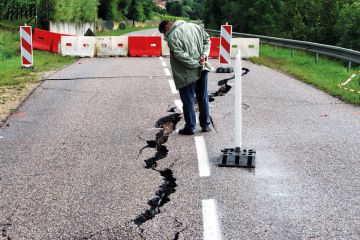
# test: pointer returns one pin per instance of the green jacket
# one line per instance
(187, 43)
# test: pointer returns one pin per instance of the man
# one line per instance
(189, 47)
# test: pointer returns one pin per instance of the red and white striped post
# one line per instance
(27, 59)
(225, 43)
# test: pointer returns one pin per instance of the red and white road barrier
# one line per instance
(27, 59)
(225, 43)
(343, 85)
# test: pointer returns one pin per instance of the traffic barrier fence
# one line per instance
(47, 41)
(140, 46)
(112, 46)
(214, 47)
(249, 47)
(78, 46)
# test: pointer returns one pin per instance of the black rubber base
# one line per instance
(235, 157)
(224, 70)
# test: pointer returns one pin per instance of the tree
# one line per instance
(348, 26)
(136, 11)
(263, 17)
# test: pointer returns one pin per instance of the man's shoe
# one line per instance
(186, 132)
(206, 129)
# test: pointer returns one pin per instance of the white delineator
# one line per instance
(26, 46)
(238, 100)
(225, 44)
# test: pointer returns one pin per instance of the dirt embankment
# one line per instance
(12, 96)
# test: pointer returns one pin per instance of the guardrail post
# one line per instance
(292, 52)
(349, 67)
(316, 58)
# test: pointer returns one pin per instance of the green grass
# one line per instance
(326, 75)
(122, 32)
(11, 72)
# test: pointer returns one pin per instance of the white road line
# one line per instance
(173, 87)
(1, 137)
(202, 155)
(167, 72)
(161, 58)
(210, 220)
(164, 63)
(179, 105)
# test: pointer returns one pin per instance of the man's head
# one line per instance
(164, 26)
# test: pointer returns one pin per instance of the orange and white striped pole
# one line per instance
(27, 59)
(225, 43)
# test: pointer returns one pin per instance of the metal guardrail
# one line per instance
(349, 55)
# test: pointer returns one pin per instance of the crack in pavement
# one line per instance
(66, 90)
(166, 125)
(178, 224)
(101, 77)
(5, 228)
(223, 90)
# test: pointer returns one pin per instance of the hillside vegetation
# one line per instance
(333, 22)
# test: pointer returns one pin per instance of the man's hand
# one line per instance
(202, 60)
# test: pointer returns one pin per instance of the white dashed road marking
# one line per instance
(202, 155)
(179, 105)
(161, 58)
(167, 72)
(173, 87)
(210, 220)
(164, 63)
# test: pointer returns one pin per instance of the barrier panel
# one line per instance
(56, 41)
(42, 40)
(140, 46)
(47, 41)
(215, 47)
(165, 50)
(111, 46)
(249, 47)
(78, 46)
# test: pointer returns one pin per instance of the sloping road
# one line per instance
(90, 156)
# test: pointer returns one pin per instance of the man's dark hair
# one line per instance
(162, 26)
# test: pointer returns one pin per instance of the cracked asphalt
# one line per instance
(71, 166)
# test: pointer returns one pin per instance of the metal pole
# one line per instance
(36, 20)
(292, 53)
(238, 100)
(349, 67)
(316, 58)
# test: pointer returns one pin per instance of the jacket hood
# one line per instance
(175, 25)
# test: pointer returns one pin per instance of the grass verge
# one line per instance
(11, 72)
(326, 75)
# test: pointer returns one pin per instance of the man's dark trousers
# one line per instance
(187, 95)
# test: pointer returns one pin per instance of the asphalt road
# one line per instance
(89, 155)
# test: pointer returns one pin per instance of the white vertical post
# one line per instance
(238, 100)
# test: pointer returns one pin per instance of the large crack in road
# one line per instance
(167, 125)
